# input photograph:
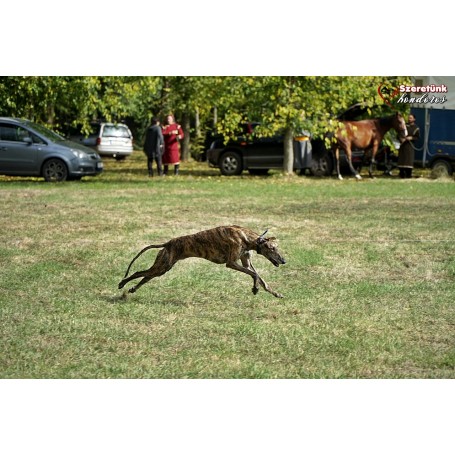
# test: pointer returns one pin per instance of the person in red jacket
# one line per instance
(172, 133)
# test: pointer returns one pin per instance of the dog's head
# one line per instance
(268, 248)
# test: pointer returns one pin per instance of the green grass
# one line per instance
(369, 284)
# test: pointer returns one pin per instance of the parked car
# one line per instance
(254, 153)
(28, 149)
(108, 139)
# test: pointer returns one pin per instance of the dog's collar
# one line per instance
(258, 246)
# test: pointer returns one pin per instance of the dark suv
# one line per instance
(254, 153)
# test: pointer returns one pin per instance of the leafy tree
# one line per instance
(55, 101)
(188, 98)
(282, 104)
(292, 104)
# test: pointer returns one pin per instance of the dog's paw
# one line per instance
(255, 290)
(132, 290)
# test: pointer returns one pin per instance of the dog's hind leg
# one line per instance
(132, 277)
(161, 265)
(144, 280)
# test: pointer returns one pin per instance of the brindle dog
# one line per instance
(221, 245)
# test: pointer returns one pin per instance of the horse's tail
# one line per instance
(140, 252)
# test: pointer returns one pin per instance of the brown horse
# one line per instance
(365, 135)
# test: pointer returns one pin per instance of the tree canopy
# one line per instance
(285, 104)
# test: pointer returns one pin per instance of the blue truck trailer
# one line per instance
(436, 147)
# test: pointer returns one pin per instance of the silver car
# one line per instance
(108, 139)
(29, 149)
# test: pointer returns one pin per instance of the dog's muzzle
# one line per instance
(278, 262)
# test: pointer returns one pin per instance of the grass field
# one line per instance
(369, 285)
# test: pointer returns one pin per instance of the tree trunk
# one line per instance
(50, 115)
(288, 163)
(186, 125)
(197, 124)
(215, 117)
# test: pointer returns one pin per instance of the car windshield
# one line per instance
(115, 131)
(45, 132)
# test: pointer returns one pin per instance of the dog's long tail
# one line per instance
(140, 252)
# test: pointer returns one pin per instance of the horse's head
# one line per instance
(400, 125)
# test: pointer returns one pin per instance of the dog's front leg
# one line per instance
(246, 262)
(256, 277)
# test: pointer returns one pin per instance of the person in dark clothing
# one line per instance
(407, 149)
(153, 146)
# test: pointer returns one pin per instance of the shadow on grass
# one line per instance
(118, 298)
(125, 298)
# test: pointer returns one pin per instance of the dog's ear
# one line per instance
(262, 235)
(261, 238)
(271, 238)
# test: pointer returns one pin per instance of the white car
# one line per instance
(108, 139)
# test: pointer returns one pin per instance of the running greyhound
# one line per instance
(221, 245)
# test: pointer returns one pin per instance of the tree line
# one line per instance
(285, 104)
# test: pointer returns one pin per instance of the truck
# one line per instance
(435, 148)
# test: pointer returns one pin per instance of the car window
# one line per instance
(36, 139)
(115, 131)
(13, 133)
(7, 132)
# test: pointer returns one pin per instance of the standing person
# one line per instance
(407, 149)
(172, 133)
(153, 146)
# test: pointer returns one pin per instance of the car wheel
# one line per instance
(322, 165)
(441, 168)
(55, 170)
(231, 163)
